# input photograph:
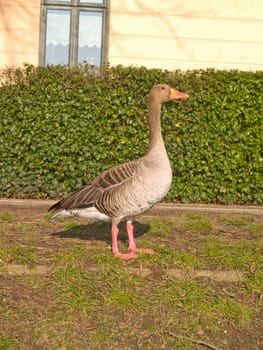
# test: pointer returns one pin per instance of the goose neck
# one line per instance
(154, 115)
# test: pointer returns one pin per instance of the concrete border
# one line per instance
(158, 209)
(219, 276)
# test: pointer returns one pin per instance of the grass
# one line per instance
(200, 304)
(6, 216)
(19, 254)
(196, 223)
(71, 255)
(166, 256)
(8, 343)
(246, 223)
(75, 288)
(93, 300)
(239, 220)
(238, 255)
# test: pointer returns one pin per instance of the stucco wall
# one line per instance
(19, 31)
(170, 34)
(187, 34)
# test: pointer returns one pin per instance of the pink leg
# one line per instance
(132, 246)
(115, 249)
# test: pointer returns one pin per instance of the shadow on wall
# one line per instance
(167, 30)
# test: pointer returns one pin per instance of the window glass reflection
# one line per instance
(91, 2)
(57, 37)
(90, 37)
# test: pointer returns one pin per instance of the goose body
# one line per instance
(131, 188)
(140, 190)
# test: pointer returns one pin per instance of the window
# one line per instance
(73, 32)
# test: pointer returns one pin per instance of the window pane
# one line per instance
(91, 2)
(50, 1)
(57, 37)
(90, 37)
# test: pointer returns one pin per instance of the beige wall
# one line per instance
(19, 31)
(169, 34)
(187, 34)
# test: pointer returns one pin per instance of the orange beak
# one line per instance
(176, 95)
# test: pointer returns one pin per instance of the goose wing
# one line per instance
(87, 195)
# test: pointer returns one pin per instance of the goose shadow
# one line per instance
(101, 231)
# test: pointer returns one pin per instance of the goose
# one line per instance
(129, 189)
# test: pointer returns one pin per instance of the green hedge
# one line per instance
(60, 127)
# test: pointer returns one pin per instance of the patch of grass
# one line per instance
(121, 289)
(238, 220)
(6, 216)
(202, 303)
(102, 255)
(167, 256)
(8, 342)
(69, 223)
(240, 255)
(98, 338)
(5, 227)
(254, 228)
(71, 255)
(55, 331)
(25, 228)
(161, 227)
(253, 284)
(182, 344)
(76, 288)
(244, 222)
(196, 223)
(233, 312)
(18, 254)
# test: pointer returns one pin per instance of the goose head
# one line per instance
(164, 93)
